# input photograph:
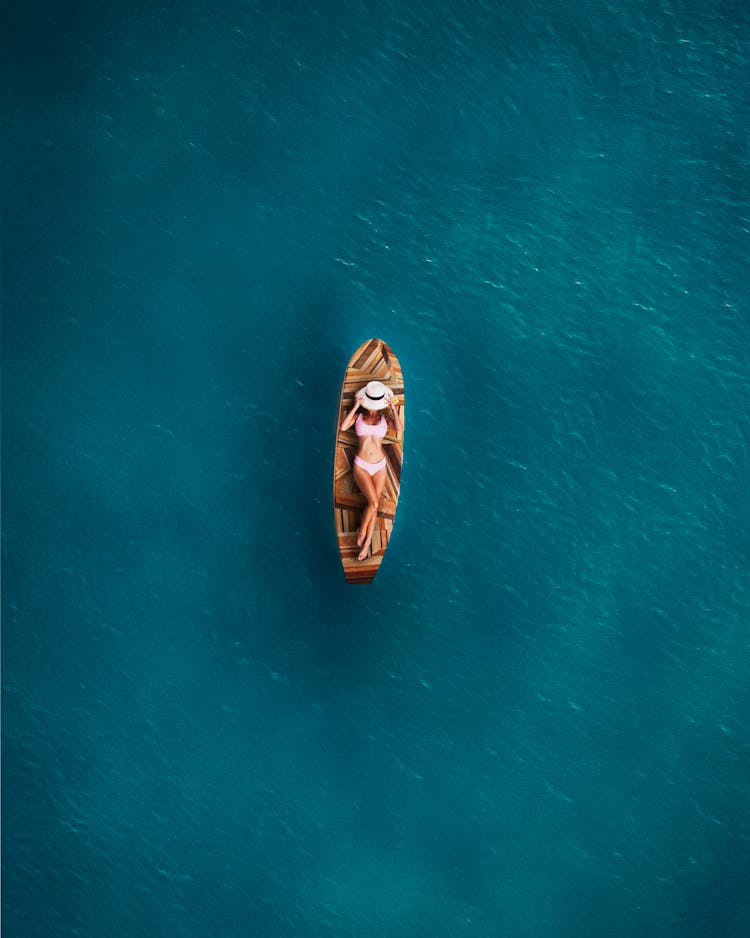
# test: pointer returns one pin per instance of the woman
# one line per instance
(369, 467)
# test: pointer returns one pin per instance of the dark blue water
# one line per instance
(535, 722)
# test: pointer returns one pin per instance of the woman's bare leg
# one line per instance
(378, 483)
(364, 524)
(366, 485)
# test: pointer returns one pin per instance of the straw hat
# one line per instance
(374, 396)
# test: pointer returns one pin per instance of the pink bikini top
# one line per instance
(365, 429)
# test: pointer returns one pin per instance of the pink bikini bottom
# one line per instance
(370, 467)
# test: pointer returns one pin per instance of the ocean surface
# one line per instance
(536, 721)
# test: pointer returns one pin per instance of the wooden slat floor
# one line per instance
(373, 361)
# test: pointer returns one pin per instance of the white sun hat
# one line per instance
(375, 395)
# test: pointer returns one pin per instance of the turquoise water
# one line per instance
(535, 721)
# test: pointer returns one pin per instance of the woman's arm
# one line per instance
(350, 417)
(393, 414)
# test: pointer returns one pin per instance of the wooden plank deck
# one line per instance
(373, 361)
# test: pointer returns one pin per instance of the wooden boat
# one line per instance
(373, 361)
